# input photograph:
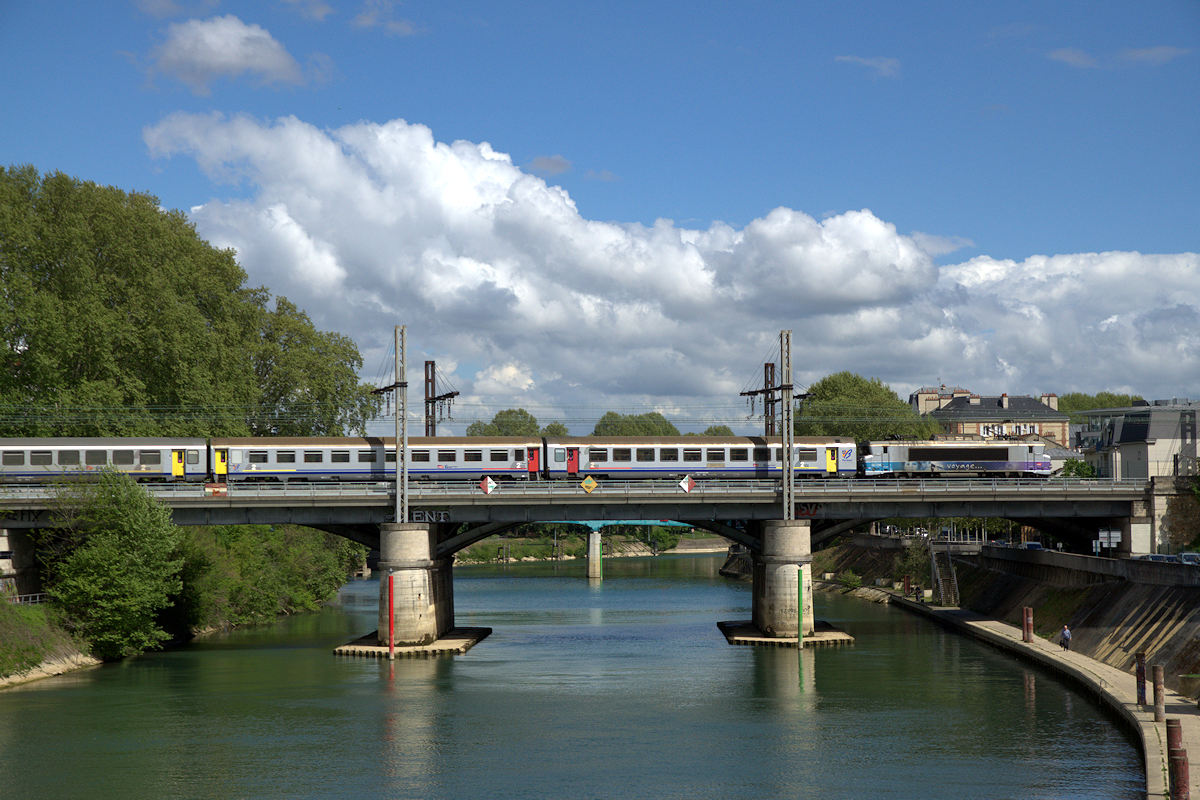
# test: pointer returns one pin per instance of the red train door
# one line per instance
(572, 460)
(533, 464)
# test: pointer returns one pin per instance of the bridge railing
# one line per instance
(668, 487)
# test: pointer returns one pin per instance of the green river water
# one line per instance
(619, 689)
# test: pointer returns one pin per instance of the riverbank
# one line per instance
(1114, 688)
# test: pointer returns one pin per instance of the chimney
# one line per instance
(974, 400)
(1050, 400)
(1004, 400)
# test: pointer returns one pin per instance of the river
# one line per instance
(619, 689)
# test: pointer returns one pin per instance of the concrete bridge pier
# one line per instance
(595, 555)
(780, 570)
(423, 587)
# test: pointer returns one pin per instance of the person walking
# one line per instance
(1065, 638)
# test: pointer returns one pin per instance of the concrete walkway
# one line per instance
(1115, 688)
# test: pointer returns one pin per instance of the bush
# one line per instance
(849, 580)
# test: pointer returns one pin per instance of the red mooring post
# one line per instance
(1139, 660)
(1027, 624)
(391, 619)
(1178, 774)
(1160, 708)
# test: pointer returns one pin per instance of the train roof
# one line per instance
(372, 441)
(696, 441)
(98, 441)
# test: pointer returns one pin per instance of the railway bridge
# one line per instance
(447, 516)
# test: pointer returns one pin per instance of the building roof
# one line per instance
(992, 408)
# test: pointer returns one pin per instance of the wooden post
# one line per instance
(1140, 671)
(1160, 708)
(1027, 624)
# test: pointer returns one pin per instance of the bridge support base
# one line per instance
(780, 571)
(595, 556)
(423, 588)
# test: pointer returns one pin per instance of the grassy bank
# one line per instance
(30, 635)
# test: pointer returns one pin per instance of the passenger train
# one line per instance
(511, 458)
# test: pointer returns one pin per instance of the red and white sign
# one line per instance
(488, 485)
(687, 484)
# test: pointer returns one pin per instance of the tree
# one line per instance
(1074, 402)
(651, 424)
(509, 422)
(117, 319)
(112, 564)
(555, 429)
(714, 430)
(846, 404)
(1077, 468)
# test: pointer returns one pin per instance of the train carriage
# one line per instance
(373, 458)
(145, 459)
(632, 458)
(955, 458)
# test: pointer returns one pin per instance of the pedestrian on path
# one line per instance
(1065, 638)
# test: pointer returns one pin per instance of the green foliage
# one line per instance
(650, 424)
(116, 319)
(1077, 468)
(845, 404)
(714, 430)
(914, 562)
(238, 575)
(1074, 402)
(28, 636)
(555, 429)
(112, 566)
(1182, 521)
(849, 579)
(509, 422)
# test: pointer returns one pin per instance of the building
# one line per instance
(1143, 441)
(962, 412)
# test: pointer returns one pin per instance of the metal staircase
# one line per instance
(945, 582)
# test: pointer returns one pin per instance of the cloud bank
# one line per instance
(198, 52)
(495, 270)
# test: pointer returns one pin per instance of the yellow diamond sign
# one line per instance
(588, 484)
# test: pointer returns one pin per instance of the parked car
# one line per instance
(1190, 558)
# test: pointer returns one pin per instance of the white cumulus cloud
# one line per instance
(198, 52)
(371, 225)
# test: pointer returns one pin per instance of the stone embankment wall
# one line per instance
(1110, 619)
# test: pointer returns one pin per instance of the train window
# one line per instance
(258, 456)
(497, 455)
(416, 455)
(598, 453)
(668, 454)
(692, 455)
(150, 458)
(739, 454)
(285, 456)
(340, 456)
(95, 458)
(39, 458)
(123, 457)
(68, 458)
(472, 455)
(645, 454)
(806, 454)
(313, 456)
(14, 458)
(366, 456)
(779, 455)
(447, 455)
(519, 454)
(560, 454)
(714, 454)
(193, 456)
(622, 454)
(762, 454)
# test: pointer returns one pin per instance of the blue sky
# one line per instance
(619, 205)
